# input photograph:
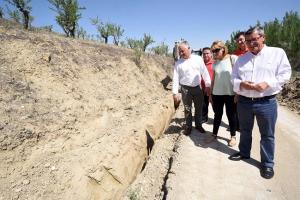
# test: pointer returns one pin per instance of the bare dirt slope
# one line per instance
(77, 118)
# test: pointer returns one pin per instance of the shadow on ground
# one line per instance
(199, 140)
(175, 126)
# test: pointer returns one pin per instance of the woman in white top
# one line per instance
(222, 90)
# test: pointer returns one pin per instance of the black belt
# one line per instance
(258, 98)
(186, 86)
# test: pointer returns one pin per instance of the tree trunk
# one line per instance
(72, 30)
(26, 19)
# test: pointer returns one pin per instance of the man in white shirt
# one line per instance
(187, 73)
(257, 77)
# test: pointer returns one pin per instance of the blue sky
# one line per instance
(200, 22)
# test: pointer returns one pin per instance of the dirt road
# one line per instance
(203, 171)
(198, 170)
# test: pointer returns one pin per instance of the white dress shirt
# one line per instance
(270, 65)
(188, 72)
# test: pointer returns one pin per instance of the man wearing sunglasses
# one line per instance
(188, 71)
(257, 77)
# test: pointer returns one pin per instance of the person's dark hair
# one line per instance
(239, 34)
(259, 30)
(205, 48)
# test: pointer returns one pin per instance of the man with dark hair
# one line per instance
(188, 71)
(257, 77)
(241, 45)
(208, 61)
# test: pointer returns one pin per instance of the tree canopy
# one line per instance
(108, 29)
(23, 7)
(68, 15)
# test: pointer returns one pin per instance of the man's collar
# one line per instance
(261, 51)
(211, 61)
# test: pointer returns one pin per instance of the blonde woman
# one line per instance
(222, 90)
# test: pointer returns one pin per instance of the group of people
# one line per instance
(246, 83)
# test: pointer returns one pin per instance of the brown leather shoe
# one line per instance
(200, 129)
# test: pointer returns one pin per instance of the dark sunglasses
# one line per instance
(216, 50)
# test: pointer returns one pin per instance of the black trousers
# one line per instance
(192, 95)
(205, 107)
(218, 105)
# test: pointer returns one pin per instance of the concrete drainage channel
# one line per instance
(151, 183)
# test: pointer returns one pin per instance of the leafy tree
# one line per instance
(68, 15)
(273, 29)
(291, 35)
(117, 33)
(14, 15)
(286, 35)
(24, 8)
(147, 40)
(99, 38)
(105, 29)
(142, 44)
(81, 33)
(231, 44)
(135, 44)
(123, 44)
(161, 49)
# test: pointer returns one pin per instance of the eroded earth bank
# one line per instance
(78, 118)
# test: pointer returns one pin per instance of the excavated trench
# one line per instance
(156, 129)
(122, 172)
(151, 181)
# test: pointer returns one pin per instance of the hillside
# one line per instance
(78, 118)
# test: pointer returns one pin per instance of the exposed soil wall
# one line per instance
(78, 118)
(290, 95)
